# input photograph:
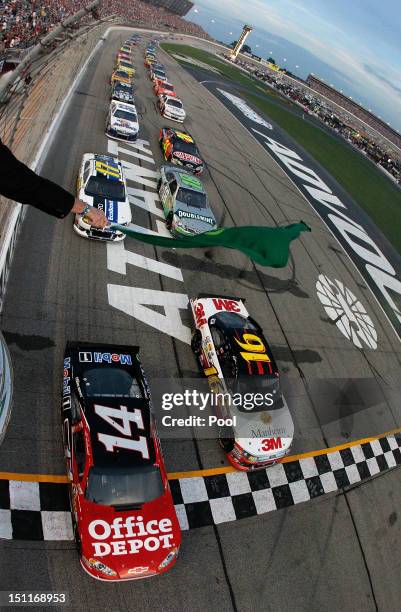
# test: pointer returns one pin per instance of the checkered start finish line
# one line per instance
(40, 510)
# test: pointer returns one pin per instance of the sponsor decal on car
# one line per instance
(130, 536)
(187, 157)
(189, 215)
(111, 210)
(91, 357)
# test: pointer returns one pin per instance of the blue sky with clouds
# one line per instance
(353, 44)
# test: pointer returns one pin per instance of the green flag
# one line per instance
(268, 246)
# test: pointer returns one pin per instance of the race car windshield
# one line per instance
(232, 320)
(122, 73)
(127, 115)
(159, 73)
(191, 198)
(186, 147)
(248, 386)
(101, 186)
(175, 103)
(127, 64)
(168, 87)
(124, 488)
(110, 382)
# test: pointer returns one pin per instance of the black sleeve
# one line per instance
(19, 183)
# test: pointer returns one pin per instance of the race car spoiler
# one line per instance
(219, 295)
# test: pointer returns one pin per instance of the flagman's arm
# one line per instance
(20, 183)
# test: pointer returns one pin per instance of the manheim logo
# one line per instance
(347, 312)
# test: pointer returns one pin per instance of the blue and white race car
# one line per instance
(101, 183)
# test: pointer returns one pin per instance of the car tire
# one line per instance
(227, 444)
(196, 343)
(169, 220)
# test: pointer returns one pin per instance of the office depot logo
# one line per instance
(130, 536)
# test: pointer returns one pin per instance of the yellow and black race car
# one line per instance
(179, 148)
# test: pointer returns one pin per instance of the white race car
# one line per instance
(101, 183)
(172, 108)
(237, 360)
(122, 121)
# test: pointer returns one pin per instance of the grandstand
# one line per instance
(179, 7)
(356, 109)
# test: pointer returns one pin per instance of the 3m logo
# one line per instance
(85, 357)
(270, 444)
(229, 305)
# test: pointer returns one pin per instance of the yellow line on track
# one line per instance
(201, 473)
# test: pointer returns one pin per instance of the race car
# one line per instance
(101, 183)
(122, 121)
(122, 92)
(185, 203)
(149, 60)
(179, 148)
(127, 66)
(122, 76)
(233, 353)
(124, 521)
(157, 75)
(164, 89)
(172, 108)
(123, 55)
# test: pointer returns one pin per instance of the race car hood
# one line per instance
(194, 220)
(187, 158)
(115, 211)
(123, 96)
(131, 543)
(252, 429)
(124, 125)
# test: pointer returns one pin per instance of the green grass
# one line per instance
(371, 189)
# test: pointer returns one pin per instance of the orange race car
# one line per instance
(164, 88)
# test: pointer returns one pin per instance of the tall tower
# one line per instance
(246, 30)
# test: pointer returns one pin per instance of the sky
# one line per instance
(354, 45)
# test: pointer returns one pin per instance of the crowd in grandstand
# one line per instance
(337, 121)
(24, 22)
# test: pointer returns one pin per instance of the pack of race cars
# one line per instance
(124, 519)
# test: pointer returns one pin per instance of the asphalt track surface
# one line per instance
(336, 553)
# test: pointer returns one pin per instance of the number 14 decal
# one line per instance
(111, 416)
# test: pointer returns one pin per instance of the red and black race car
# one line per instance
(124, 520)
(179, 148)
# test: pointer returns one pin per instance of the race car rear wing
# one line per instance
(219, 295)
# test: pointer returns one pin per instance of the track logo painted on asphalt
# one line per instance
(347, 312)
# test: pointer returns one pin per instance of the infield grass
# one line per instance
(370, 188)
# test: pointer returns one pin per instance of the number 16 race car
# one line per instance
(123, 515)
(233, 353)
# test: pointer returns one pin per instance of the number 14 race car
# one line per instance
(233, 353)
(123, 515)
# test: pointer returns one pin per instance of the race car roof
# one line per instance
(107, 166)
(96, 363)
(189, 181)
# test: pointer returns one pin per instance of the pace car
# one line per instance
(172, 108)
(123, 93)
(101, 183)
(164, 89)
(185, 203)
(233, 353)
(122, 121)
(123, 515)
(179, 148)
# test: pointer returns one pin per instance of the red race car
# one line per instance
(164, 88)
(123, 515)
